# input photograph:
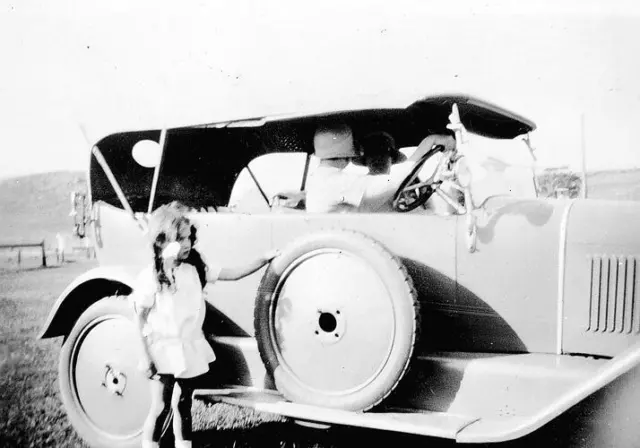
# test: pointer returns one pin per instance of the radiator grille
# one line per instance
(614, 290)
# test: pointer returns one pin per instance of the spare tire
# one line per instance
(336, 320)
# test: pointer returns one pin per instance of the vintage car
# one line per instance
(467, 313)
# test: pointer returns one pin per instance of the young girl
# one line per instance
(170, 310)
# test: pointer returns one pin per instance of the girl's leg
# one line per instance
(182, 413)
(161, 390)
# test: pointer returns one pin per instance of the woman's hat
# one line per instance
(334, 142)
(378, 144)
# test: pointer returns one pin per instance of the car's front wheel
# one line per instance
(105, 395)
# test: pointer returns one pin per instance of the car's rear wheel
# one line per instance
(336, 321)
(105, 394)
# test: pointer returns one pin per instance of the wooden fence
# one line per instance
(61, 253)
(20, 246)
(88, 250)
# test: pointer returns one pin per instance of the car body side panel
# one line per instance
(228, 240)
(119, 240)
(475, 315)
(602, 287)
(225, 239)
(426, 247)
(507, 289)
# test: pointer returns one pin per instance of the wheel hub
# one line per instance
(108, 388)
(333, 322)
(114, 380)
(330, 326)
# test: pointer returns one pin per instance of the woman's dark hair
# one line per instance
(158, 264)
(195, 259)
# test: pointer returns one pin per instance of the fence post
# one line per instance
(44, 256)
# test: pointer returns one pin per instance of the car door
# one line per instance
(507, 292)
(233, 239)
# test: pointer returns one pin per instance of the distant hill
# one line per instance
(616, 185)
(621, 185)
(36, 207)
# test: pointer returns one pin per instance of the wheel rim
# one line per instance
(333, 322)
(110, 391)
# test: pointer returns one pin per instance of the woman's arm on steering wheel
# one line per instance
(448, 141)
(381, 189)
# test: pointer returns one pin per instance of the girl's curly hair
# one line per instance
(164, 226)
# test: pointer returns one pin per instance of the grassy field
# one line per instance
(31, 413)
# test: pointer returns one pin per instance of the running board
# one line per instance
(469, 397)
(423, 423)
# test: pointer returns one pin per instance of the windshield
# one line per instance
(500, 167)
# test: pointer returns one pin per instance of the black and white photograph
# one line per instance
(319, 224)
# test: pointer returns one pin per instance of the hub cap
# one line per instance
(109, 387)
(333, 322)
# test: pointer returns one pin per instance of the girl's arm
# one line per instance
(238, 272)
(142, 299)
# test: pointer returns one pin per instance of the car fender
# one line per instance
(84, 291)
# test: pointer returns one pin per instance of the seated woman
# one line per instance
(379, 153)
(335, 187)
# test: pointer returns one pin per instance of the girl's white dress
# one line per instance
(174, 324)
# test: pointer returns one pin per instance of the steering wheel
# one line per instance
(412, 192)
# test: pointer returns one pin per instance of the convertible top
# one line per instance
(223, 148)
(479, 117)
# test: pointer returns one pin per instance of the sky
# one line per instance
(103, 67)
